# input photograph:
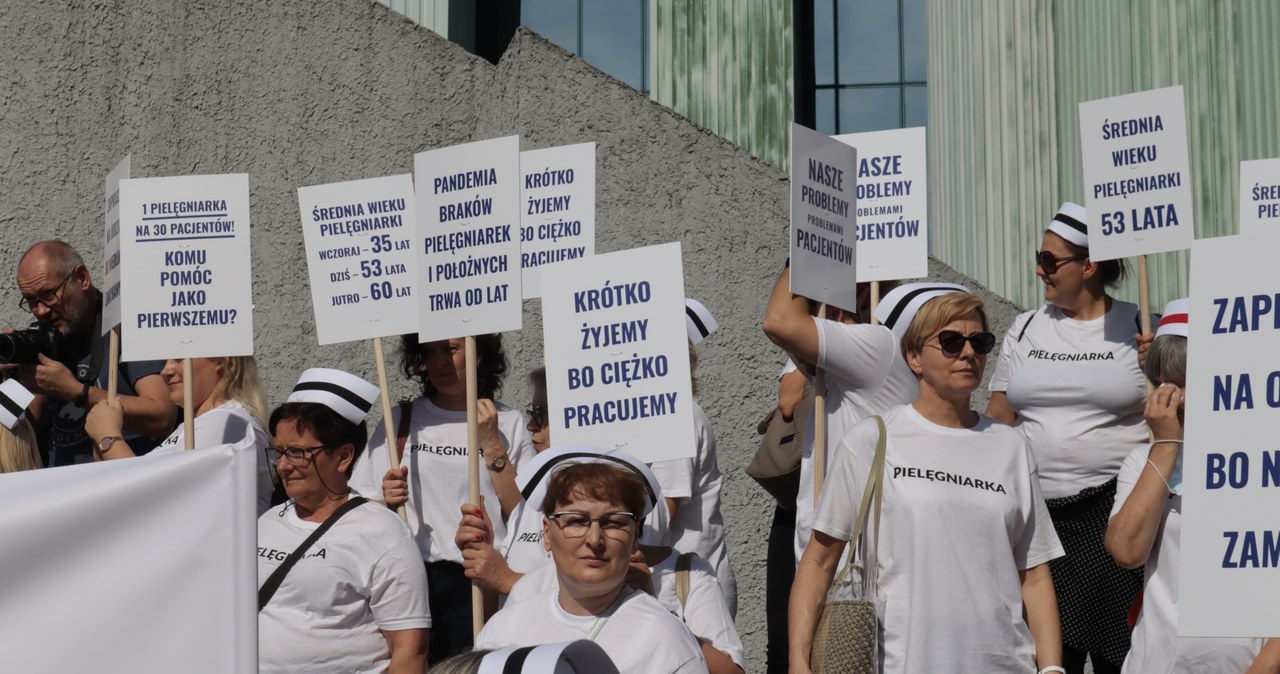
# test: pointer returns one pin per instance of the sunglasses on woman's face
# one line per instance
(1050, 264)
(952, 343)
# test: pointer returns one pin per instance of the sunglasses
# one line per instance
(538, 415)
(952, 343)
(1049, 263)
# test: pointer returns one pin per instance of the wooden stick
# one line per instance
(388, 427)
(113, 362)
(875, 301)
(819, 425)
(1144, 303)
(188, 409)
(473, 472)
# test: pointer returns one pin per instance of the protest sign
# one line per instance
(359, 237)
(1260, 196)
(186, 289)
(468, 201)
(1136, 174)
(557, 209)
(149, 563)
(617, 353)
(892, 204)
(1230, 575)
(111, 246)
(823, 177)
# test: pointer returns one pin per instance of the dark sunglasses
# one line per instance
(538, 415)
(952, 343)
(1049, 263)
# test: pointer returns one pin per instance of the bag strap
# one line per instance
(683, 563)
(874, 486)
(1025, 325)
(269, 588)
(402, 431)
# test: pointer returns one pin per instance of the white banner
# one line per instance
(111, 246)
(359, 237)
(137, 565)
(1230, 580)
(1137, 179)
(186, 290)
(823, 223)
(468, 239)
(1260, 196)
(617, 353)
(557, 209)
(893, 205)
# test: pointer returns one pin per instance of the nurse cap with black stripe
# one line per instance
(532, 478)
(14, 401)
(568, 657)
(344, 393)
(698, 320)
(899, 307)
(1070, 224)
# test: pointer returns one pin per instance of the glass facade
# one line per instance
(612, 35)
(869, 65)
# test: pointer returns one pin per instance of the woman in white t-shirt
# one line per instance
(1146, 528)
(432, 480)
(228, 401)
(964, 539)
(1068, 380)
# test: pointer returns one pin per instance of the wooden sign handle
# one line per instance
(473, 471)
(819, 426)
(388, 428)
(188, 407)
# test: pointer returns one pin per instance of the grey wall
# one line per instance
(301, 93)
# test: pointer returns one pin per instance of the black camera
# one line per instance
(24, 346)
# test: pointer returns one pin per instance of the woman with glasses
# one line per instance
(1068, 380)
(341, 583)
(432, 479)
(964, 539)
(591, 530)
(228, 401)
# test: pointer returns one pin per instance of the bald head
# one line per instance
(58, 256)
(56, 287)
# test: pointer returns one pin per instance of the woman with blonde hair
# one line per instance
(229, 402)
(18, 448)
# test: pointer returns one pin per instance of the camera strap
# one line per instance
(87, 373)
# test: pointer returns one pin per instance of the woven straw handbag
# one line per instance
(845, 640)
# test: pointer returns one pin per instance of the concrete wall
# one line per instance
(287, 92)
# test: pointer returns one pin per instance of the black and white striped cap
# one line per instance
(568, 657)
(698, 320)
(14, 400)
(342, 392)
(1070, 223)
(533, 476)
(899, 307)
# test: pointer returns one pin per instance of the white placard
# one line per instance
(1230, 579)
(468, 239)
(111, 246)
(359, 237)
(1260, 196)
(1137, 179)
(617, 353)
(823, 223)
(893, 205)
(186, 290)
(557, 209)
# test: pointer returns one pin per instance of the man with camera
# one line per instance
(63, 358)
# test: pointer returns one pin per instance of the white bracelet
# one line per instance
(1052, 668)
(1162, 479)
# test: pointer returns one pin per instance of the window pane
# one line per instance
(613, 38)
(556, 20)
(824, 103)
(915, 41)
(917, 98)
(824, 55)
(870, 109)
(867, 33)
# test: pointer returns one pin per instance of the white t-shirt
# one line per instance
(962, 515)
(362, 577)
(1078, 392)
(866, 375)
(436, 454)
(698, 526)
(226, 424)
(1157, 648)
(641, 637)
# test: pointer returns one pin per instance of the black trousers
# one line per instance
(449, 595)
(780, 570)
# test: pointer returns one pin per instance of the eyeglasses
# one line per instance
(299, 457)
(537, 415)
(951, 343)
(1049, 263)
(576, 524)
(45, 299)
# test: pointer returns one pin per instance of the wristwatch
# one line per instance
(104, 445)
(498, 464)
(83, 398)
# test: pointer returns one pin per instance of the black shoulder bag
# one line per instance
(269, 588)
